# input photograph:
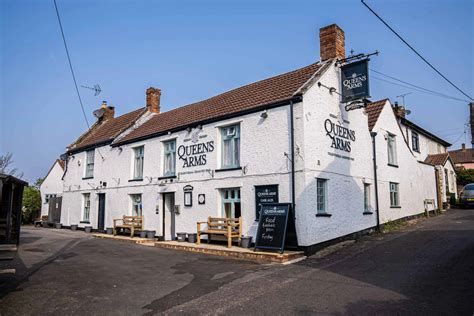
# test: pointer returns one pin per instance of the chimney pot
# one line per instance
(332, 42)
(463, 146)
(153, 99)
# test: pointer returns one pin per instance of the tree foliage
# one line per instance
(465, 176)
(31, 204)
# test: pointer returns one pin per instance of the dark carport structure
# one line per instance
(11, 194)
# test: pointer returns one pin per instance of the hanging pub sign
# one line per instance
(272, 226)
(355, 81)
(265, 194)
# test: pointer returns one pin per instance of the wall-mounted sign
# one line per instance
(340, 135)
(195, 155)
(188, 195)
(265, 194)
(202, 199)
(355, 81)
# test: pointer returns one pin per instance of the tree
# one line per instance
(31, 203)
(465, 176)
(5, 162)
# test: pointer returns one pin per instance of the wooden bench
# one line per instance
(129, 222)
(228, 227)
(40, 221)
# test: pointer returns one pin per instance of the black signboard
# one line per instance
(272, 226)
(265, 194)
(355, 81)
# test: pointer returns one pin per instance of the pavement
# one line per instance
(423, 268)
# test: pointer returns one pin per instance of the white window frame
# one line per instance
(86, 207)
(138, 174)
(134, 202)
(415, 141)
(394, 189)
(231, 200)
(321, 206)
(231, 134)
(169, 152)
(392, 150)
(89, 165)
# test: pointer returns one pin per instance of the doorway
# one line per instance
(168, 231)
(101, 215)
(54, 211)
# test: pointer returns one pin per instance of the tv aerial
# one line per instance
(96, 88)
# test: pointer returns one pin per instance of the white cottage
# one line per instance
(287, 138)
(52, 186)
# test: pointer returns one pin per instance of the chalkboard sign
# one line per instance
(265, 194)
(272, 225)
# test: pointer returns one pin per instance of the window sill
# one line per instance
(167, 177)
(85, 178)
(228, 169)
(135, 180)
(323, 215)
(367, 213)
(395, 206)
(84, 222)
(392, 165)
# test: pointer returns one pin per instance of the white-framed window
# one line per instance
(90, 155)
(138, 158)
(137, 206)
(415, 141)
(394, 195)
(169, 168)
(392, 149)
(86, 210)
(321, 195)
(231, 206)
(230, 146)
(367, 206)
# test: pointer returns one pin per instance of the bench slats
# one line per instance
(228, 227)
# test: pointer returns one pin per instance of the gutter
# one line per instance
(374, 158)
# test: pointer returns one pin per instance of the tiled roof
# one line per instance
(252, 96)
(437, 159)
(373, 111)
(106, 131)
(462, 155)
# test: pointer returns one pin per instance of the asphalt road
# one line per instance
(424, 268)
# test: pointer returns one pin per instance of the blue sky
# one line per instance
(195, 49)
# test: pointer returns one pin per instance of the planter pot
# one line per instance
(110, 230)
(150, 234)
(192, 238)
(58, 225)
(143, 234)
(181, 237)
(246, 241)
(88, 229)
(44, 224)
(74, 227)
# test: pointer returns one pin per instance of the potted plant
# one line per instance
(58, 225)
(150, 234)
(88, 229)
(245, 241)
(181, 237)
(143, 233)
(110, 230)
(73, 226)
(192, 238)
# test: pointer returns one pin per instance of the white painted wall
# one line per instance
(52, 184)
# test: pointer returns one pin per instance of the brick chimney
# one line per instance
(109, 111)
(153, 99)
(463, 147)
(332, 42)
(399, 110)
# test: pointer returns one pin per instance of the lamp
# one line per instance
(264, 115)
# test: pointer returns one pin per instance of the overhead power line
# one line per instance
(415, 51)
(70, 64)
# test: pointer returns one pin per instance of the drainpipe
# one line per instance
(374, 156)
(292, 140)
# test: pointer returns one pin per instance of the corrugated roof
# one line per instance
(437, 159)
(252, 96)
(106, 131)
(373, 111)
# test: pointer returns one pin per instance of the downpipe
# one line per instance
(374, 158)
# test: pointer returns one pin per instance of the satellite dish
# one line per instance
(99, 113)
(407, 112)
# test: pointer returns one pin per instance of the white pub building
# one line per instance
(288, 139)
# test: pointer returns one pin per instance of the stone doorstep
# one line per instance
(134, 240)
(234, 252)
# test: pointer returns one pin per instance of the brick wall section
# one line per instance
(332, 42)
(153, 99)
